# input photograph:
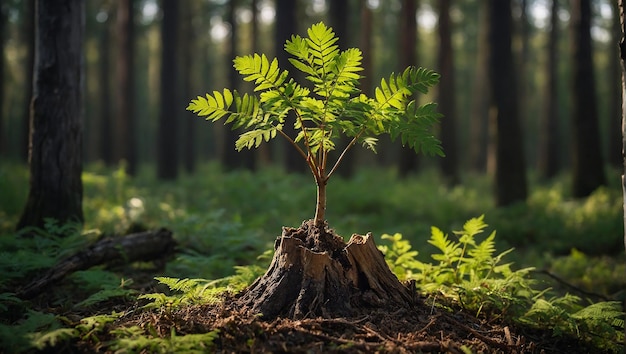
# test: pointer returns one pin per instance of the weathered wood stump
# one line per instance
(315, 273)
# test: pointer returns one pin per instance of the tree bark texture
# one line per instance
(315, 273)
(510, 169)
(142, 246)
(587, 161)
(56, 129)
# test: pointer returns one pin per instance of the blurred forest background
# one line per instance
(145, 59)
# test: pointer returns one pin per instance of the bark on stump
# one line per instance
(315, 273)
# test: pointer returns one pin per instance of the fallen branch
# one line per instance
(141, 246)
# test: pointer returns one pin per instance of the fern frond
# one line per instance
(213, 107)
(473, 226)
(415, 129)
(257, 68)
(254, 138)
(606, 311)
(321, 42)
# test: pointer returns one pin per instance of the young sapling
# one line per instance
(335, 107)
(314, 272)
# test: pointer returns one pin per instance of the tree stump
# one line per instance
(315, 273)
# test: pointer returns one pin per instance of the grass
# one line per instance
(239, 214)
(223, 220)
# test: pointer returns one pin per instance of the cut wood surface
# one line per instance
(143, 246)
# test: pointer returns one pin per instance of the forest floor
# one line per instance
(423, 329)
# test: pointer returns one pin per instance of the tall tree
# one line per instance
(230, 158)
(480, 99)
(446, 96)
(56, 189)
(284, 27)
(549, 140)
(365, 43)
(510, 167)
(187, 39)
(408, 160)
(587, 162)
(29, 62)
(104, 77)
(125, 115)
(263, 152)
(167, 141)
(339, 12)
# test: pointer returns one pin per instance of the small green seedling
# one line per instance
(335, 107)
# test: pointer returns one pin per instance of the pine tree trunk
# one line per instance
(315, 273)
(56, 189)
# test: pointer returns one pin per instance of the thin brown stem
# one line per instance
(320, 207)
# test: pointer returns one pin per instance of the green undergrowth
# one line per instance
(222, 221)
(468, 273)
(465, 273)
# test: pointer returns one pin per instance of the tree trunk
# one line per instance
(587, 162)
(29, 69)
(446, 97)
(104, 72)
(125, 117)
(339, 14)
(365, 43)
(510, 169)
(315, 273)
(549, 142)
(622, 52)
(167, 144)
(187, 39)
(284, 27)
(408, 160)
(231, 158)
(480, 98)
(56, 189)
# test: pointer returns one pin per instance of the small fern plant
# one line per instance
(333, 107)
